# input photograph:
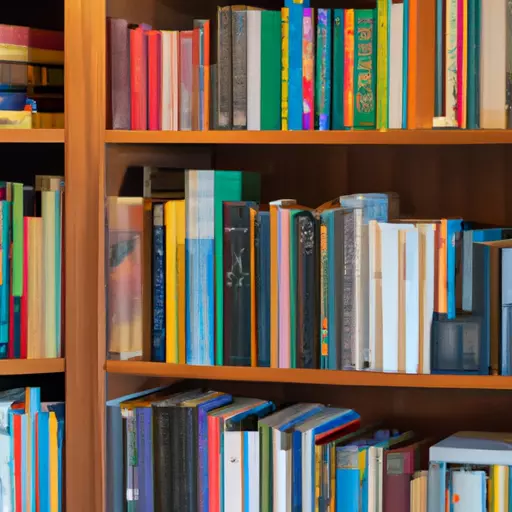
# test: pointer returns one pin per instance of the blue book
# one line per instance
(347, 480)
(262, 243)
(326, 420)
(295, 101)
(158, 334)
(12, 100)
(5, 222)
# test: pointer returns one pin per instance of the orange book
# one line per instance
(421, 65)
(442, 278)
(348, 95)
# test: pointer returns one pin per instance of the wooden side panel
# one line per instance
(85, 302)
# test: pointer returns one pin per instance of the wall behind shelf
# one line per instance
(46, 14)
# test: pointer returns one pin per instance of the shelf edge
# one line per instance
(31, 366)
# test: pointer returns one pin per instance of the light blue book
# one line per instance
(482, 448)
(506, 312)
(436, 498)
(470, 487)
(347, 479)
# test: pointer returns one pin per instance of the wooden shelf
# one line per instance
(32, 136)
(31, 366)
(335, 378)
(401, 137)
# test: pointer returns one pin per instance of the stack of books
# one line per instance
(31, 284)
(31, 449)
(31, 78)
(230, 453)
(200, 273)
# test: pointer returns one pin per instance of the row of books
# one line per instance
(31, 78)
(31, 283)
(31, 451)
(229, 454)
(217, 279)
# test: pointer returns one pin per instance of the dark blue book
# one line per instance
(158, 331)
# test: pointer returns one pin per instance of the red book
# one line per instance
(335, 433)
(16, 420)
(155, 79)
(138, 79)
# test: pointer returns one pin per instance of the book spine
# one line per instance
(165, 80)
(323, 71)
(138, 80)
(186, 80)
(174, 80)
(285, 30)
(461, 50)
(270, 70)
(364, 69)
(308, 73)
(439, 59)
(383, 14)
(224, 69)
(324, 294)
(405, 61)
(338, 72)
(237, 296)
(154, 80)
(508, 80)
(196, 79)
(295, 62)
(473, 92)
(141, 456)
(349, 335)
(348, 97)
(262, 247)
(159, 320)
(163, 433)
(24, 299)
(451, 62)
(254, 65)
(283, 227)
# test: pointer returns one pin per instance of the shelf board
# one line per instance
(329, 377)
(31, 366)
(401, 137)
(32, 136)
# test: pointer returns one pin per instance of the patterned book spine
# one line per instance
(285, 17)
(239, 59)
(295, 45)
(338, 61)
(308, 108)
(349, 290)
(186, 79)
(348, 99)
(224, 69)
(158, 345)
(383, 14)
(451, 63)
(364, 69)
(323, 71)
(199, 249)
(324, 295)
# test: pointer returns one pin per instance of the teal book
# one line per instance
(227, 186)
(5, 223)
(473, 93)
(323, 70)
(365, 67)
(439, 70)
(296, 13)
(338, 68)
(270, 70)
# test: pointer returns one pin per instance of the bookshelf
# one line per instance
(451, 172)
(31, 366)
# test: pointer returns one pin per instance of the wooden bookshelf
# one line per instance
(301, 376)
(32, 136)
(399, 137)
(31, 366)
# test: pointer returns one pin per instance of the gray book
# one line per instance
(239, 62)
(224, 69)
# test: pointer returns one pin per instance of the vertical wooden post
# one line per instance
(84, 232)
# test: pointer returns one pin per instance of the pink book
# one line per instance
(154, 80)
(461, 94)
(308, 70)
(283, 277)
(32, 37)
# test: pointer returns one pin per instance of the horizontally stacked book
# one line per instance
(217, 279)
(31, 449)
(31, 78)
(31, 283)
(230, 453)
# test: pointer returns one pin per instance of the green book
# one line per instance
(17, 239)
(270, 70)
(228, 186)
(338, 69)
(364, 69)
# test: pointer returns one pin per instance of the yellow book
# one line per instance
(19, 119)
(35, 333)
(18, 53)
(285, 27)
(498, 495)
(174, 215)
(54, 461)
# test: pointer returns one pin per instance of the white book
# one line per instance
(375, 479)
(396, 66)
(233, 472)
(412, 301)
(251, 471)
(166, 79)
(282, 501)
(470, 487)
(253, 70)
